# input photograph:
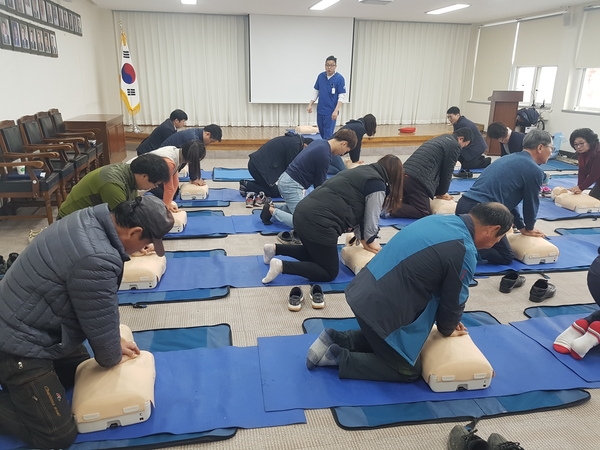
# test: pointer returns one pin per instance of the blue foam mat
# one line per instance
(204, 174)
(207, 223)
(364, 417)
(566, 181)
(578, 231)
(555, 164)
(458, 185)
(550, 311)
(159, 341)
(138, 297)
(288, 384)
(184, 273)
(545, 329)
(576, 253)
(230, 174)
(216, 197)
(549, 211)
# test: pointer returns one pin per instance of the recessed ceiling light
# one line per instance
(188, 2)
(323, 4)
(448, 8)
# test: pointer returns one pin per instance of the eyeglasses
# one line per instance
(330, 65)
(579, 144)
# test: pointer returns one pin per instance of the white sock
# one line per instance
(275, 268)
(268, 253)
(583, 344)
(563, 342)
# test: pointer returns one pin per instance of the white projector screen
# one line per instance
(288, 52)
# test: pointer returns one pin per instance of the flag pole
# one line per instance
(125, 94)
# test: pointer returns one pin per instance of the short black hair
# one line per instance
(465, 133)
(453, 110)
(124, 217)
(492, 214)
(215, 131)
(584, 133)
(152, 165)
(178, 114)
(331, 58)
(497, 130)
(370, 124)
(307, 141)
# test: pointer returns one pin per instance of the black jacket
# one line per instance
(432, 164)
(358, 127)
(274, 157)
(157, 137)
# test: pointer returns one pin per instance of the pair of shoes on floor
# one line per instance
(296, 298)
(257, 200)
(34, 233)
(289, 237)
(464, 174)
(578, 339)
(2, 265)
(5, 264)
(540, 291)
(464, 438)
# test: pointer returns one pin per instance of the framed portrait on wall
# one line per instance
(32, 39)
(78, 24)
(20, 6)
(2, 2)
(24, 31)
(28, 8)
(36, 9)
(53, 44)
(10, 4)
(47, 50)
(39, 34)
(71, 22)
(55, 15)
(5, 38)
(61, 17)
(43, 16)
(15, 32)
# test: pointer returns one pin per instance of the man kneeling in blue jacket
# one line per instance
(62, 290)
(420, 277)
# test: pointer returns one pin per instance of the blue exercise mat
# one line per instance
(583, 310)
(204, 174)
(548, 210)
(366, 417)
(160, 341)
(520, 366)
(140, 297)
(578, 231)
(566, 181)
(216, 197)
(544, 330)
(555, 164)
(227, 174)
(186, 272)
(576, 253)
(205, 223)
(459, 185)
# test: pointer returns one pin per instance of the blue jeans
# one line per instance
(33, 403)
(292, 192)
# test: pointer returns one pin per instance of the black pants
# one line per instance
(366, 356)
(315, 261)
(33, 404)
(259, 184)
(501, 253)
(476, 163)
(415, 201)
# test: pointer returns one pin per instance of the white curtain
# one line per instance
(406, 73)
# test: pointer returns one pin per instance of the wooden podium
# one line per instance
(112, 133)
(503, 108)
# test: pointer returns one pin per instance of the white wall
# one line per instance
(82, 80)
(559, 119)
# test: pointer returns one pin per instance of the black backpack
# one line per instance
(527, 117)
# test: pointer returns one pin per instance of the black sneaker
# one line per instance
(316, 297)
(265, 214)
(12, 257)
(497, 442)
(243, 188)
(261, 200)
(295, 299)
(462, 438)
(464, 174)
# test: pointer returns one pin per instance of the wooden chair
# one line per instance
(88, 144)
(34, 140)
(12, 143)
(28, 190)
(61, 127)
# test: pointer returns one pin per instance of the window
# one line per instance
(589, 95)
(537, 84)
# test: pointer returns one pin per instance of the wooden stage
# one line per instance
(251, 138)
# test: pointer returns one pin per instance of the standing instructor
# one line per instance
(330, 89)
